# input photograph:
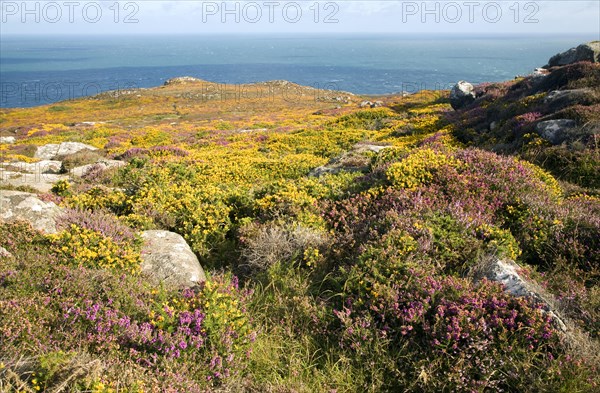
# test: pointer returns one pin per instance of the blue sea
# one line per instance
(38, 70)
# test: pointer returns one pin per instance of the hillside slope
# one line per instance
(348, 246)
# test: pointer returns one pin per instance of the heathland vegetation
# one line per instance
(341, 242)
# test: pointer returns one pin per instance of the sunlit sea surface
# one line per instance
(41, 70)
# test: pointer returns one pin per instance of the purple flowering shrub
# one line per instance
(181, 340)
(97, 174)
(474, 200)
(444, 321)
(397, 250)
(449, 221)
(99, 221)
(206, 325)
(528, 118)
(155, 151)
(397, 301)
(159, 151)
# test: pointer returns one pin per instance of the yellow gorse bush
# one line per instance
(500, 241)
(417, 169)
(100, 198)
(549, 181)
(87, 248)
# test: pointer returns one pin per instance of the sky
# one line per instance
(471, 17)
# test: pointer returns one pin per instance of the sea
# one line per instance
(38, 70)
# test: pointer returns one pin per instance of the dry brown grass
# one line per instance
(16, 374)
(270, 243)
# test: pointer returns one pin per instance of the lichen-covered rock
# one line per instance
(166, 257)
(584, 52)
(556, 131)
(7, 139)
(559, 99)
(24, 206)
(44, 166)
(507, 272)
(54, 150)
(462, 94)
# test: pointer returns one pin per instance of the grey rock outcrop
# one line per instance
(54, 150)
(461, 95)
(39, 182)
(506, 272)
(24, 206)
(41, 176)
(556, 131)
(538, 76)
(370, 104)
(44, 166)
(7, 139)
(166, 257)
(584, 52)
(558, 99)
(355, 160)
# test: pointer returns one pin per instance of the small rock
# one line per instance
(40, 182)
(104, 164)
(53, 150)
(559, 99)
(24, 206)
(493, 125)
(4, 253)
(506, 272)
(88, 123)
(167, 257)
(6, 175)
(584, 52)
(324, 170)
(538, 76)
(354, 160)
(360, 147)
(7, 139)
(182, 80)
(369, 104)
(44, 166)
(556, 131)
(462, 94)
